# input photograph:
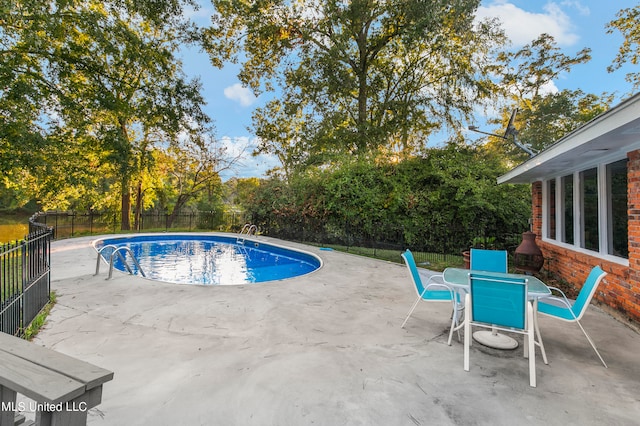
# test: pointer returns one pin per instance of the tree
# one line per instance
(106, 75)
(627, 23)
(356, 76)
(544, 114)
(439, 202)
(557, 114)
(192, 167)
(527, 73)
(129, 84)
(239, 191)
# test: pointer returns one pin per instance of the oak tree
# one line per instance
(355, 77)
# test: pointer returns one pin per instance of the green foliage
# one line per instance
(356, 76)
(188, 171)
(40, 320)
(528, 71)
(556, 114)
(91, 84)
(627, 23)
(439, 202)
(544, 116)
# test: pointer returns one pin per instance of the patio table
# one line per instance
(458, 279)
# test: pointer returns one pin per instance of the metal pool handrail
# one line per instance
(249, 229)
(118, 251)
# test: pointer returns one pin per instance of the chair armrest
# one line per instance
(436, 277)
(432, 281)
(426, 275)
(562, 299)
(430, 285)
(558, 290)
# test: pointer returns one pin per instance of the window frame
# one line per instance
(604, 220)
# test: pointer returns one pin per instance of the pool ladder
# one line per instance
(247, 230)
(117, 251)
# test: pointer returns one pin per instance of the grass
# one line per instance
(435, 261)
(11, 270)
(41, 319)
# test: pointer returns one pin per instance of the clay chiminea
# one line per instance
(528, 256)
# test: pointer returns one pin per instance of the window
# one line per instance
(551, 203)
(588, 209)
(567, 209)
(589, 195)
(617, 209)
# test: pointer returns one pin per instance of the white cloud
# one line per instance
(549, 88)
(248, 165)
(240, 94)
(581, 8)
(201, 16)
(522, 26)
(237, 146)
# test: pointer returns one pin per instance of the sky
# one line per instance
(575, 24)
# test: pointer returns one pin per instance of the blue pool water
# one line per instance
(209, 259)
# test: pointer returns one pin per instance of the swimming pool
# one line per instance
(208, 259)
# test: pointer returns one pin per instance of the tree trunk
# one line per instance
(182, 200)
(125, 222)
(125, 204)
(138, 208)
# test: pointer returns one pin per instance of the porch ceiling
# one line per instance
(606, 138)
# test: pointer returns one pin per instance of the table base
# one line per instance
(495, 340)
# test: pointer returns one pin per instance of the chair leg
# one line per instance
(531, 345)
(411, 311)
(467, 335)
(532, 358)
(591, 343)
(455, 324)
(538, 335)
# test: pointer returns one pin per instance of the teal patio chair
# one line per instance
(565, 309)
(431, 292)
(501, 304)
(488, 260)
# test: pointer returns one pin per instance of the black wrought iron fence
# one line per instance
(73, 223)
(432, 248)
(383, 241)
(25, 280)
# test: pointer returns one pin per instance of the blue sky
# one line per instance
(574, 24)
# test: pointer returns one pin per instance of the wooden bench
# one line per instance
(63, 388)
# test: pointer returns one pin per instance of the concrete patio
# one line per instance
(323, 349)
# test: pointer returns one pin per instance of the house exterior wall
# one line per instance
(619, 291)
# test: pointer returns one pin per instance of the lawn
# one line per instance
(432, 261)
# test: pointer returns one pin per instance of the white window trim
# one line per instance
(578, 236)
(603, 217)
(608, 257)
(559, 208)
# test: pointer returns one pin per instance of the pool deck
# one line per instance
(324, 349)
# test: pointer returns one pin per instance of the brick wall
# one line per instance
(536, 207)
(620, 289)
